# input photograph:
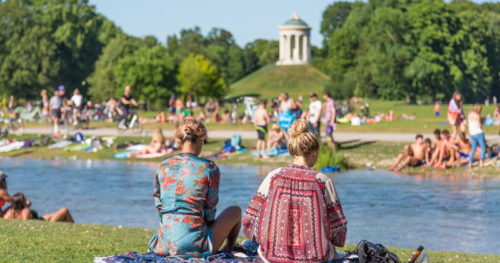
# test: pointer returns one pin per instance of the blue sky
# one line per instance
(246, 19)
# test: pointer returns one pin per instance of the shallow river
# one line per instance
(439, 212)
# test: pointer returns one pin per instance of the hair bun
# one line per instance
(297, 128)
(191, 130)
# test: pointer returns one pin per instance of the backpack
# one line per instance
(367, 252)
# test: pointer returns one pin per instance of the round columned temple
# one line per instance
(295, 45)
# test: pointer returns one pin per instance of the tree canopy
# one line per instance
(47, 43)
(401, 49)
(199, 77)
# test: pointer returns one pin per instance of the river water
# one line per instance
(441, 212)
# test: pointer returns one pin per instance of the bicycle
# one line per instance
(130, 124)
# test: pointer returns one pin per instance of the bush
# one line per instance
(328, 157)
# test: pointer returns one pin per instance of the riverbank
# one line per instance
(359, 154)
(38, 241)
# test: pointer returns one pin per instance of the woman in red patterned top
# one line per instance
(296, 214)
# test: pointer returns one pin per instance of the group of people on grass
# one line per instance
(288, 111)
(20, 207)
(294, 216)
(450, 150)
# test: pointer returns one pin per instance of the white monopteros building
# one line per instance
(295, 42)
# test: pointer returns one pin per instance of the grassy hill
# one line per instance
(270, 81)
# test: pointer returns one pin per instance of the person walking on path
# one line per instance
(314, 114)
(329, 117)
(261, 120)
(55, 105)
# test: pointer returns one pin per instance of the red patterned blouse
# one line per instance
(296, 217)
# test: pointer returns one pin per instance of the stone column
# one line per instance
(290, 49)
(282, 40)
(297, 46)
(305, 49)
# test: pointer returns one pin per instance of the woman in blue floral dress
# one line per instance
(186, 195)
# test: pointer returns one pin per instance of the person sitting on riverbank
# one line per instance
(446, 153)
(186, 189)
(277, 138)
(413, 155)
(437, 145)
(157, 145)
(20, 210)
(4, 195)
(463, 151)
(296, 214)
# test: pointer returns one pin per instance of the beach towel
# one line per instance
(129, 257)
(76, 147)
(60, 144)
(11, 146)
(137, 147)
(275, 152)
(155, 155)
(124, 155)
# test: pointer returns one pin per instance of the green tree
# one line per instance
(47, 43)
(150, 71)
(333, 18)
(103, 83)
(266, 51)
(199, 77)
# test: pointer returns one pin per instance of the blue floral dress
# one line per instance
(186, 189)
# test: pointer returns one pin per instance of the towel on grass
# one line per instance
(11, 146)
(275, 152)
(133, 257)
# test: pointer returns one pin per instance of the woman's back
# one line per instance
(296, 216)
(185, 182)
(20, 214)
(474, 123)
(186, 195)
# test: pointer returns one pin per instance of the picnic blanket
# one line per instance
(133, 257)
(125, 155)
(60, 144)
(11, 146)
(275, 152)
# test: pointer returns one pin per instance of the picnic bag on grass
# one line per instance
(367, 252)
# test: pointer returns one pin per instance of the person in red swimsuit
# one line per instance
(4, 196)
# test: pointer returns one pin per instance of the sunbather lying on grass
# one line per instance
(20, 210)
(157, 145)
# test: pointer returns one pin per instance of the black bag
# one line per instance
(367, 252)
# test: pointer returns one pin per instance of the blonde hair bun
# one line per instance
(190, 130)
(302, 142)
(297, 128)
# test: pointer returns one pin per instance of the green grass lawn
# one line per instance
(425, 122)
(271, 80)
(38, 241)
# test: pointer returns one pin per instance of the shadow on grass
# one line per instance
(352, 144)
(21, 153)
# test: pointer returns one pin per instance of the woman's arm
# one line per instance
(5, 196)
(157, 191)
(213, 193)
(337, 223)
